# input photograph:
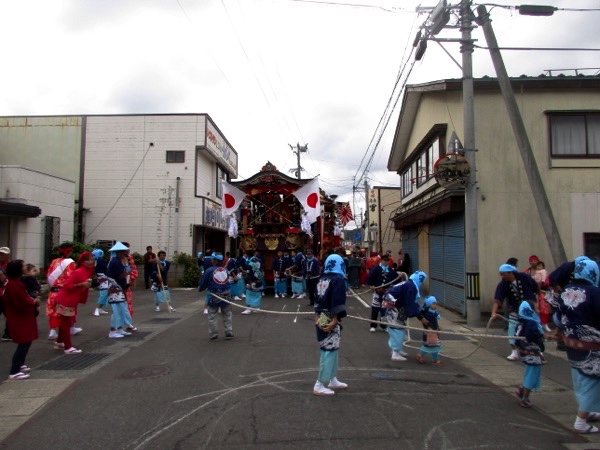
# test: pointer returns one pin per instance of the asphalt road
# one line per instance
(169, 387)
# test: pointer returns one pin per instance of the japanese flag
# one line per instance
(310, 199)
(232, 198)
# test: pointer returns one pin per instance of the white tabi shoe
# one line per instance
(320, 389)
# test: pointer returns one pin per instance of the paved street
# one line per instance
(169, 387)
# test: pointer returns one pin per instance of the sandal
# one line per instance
(589, 430)
(592, 417)
(437, 363)
(420, 358)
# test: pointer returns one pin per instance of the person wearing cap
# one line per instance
(59, 270)
(398, 304)
(378, 277)
(330, 308)
(312, 272)
(149, 258)
(100, 270)
(578, 311)
(4, 260)
(118, 274)
(514, 286)
(215, 281)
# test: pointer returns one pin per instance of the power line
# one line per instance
(552, 49)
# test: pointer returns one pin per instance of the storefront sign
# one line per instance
(213, 215)
(220, 149)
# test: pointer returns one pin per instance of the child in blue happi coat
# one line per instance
(431, 339)
(530, 351)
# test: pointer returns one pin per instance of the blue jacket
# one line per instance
(216, 281)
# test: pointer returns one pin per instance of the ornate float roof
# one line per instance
(269, 179)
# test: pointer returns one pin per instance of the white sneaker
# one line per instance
(115, 335)
(75, 331)
(53, 334)
(403, 354)
(96, 312)
(102, 311)
(397, 356)
(237, 299)
(247, 311)
(123, 332)
(157, 309)
(276, 296)
(513, 357)
(205, 311)
(336, 384)
(283, 295)
(320, 389)
(72, 351)
(301, 296)
(243, 295)
(372, 329)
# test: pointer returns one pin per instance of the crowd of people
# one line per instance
(569, 299)
(69, 283)
(563, 305)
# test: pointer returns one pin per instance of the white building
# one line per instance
(145, 179)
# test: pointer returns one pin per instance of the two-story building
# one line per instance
(151, 179)
(562, 119)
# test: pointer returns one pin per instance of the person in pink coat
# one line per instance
(20, 310)
(74, 291)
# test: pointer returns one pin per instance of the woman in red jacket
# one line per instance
(20, 310)
(73, 292)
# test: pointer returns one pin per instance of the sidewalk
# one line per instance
(555, 399)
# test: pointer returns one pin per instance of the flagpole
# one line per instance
(322, 232)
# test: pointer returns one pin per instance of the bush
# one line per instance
(191, 274)
(78, 249)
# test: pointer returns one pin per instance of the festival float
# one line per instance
(271, 211)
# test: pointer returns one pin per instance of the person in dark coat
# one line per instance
(20, 310)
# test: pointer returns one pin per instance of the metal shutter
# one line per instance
(447, 261)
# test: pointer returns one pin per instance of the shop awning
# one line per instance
(18, 209)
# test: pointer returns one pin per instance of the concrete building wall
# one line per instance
(54, 196)
(48, 144)
(509, 224)
(132, 192)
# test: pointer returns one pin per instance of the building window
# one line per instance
(175, 156)
(407, 182)
(426, 161)
(591, 246)
(221, 176)
(575, 135)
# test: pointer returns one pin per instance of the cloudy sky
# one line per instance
(269, 72)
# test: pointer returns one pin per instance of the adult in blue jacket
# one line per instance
(215, 280)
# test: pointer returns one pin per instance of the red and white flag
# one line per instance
(344, 213)
(232, 198)
(310, 199)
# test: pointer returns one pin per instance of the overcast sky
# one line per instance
(269, 72)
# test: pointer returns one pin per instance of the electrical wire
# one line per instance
(552, 49)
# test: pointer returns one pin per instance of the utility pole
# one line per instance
(297, 151)
(531, 169)
(472, 286)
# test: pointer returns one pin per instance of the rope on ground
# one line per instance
(406, 327)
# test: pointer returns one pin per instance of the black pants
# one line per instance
(311, 287)
(19, 356)
(375, 311)
(147, 271)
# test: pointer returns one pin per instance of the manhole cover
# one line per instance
(162, 320)
(74, 362)
(145, 372)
